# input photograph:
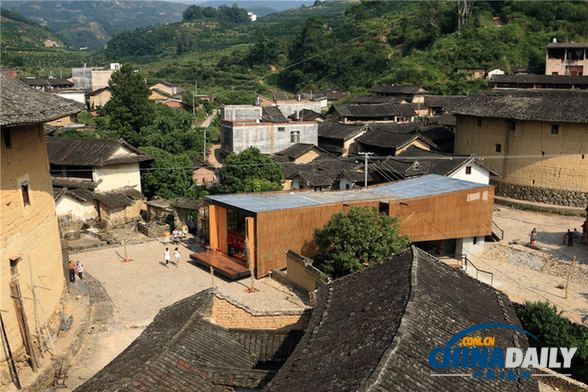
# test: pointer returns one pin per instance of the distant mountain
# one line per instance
(21, 33)
(93, 23)
(247, 4)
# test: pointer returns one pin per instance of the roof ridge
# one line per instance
(409, 307)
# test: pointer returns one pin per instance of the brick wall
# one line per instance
(229, 315)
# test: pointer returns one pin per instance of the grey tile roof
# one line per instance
(91, 152)
(413, 188)
(546, 80)
(442, 101)
(66, 182)
(539, 105)
(406, 109)
(181, 351)
(373, 330)
(375, 99)
(123, 197)
(318, 178)
(554, 45)
(335, 130)
(23, 105)
(404, 90)
(274, 114)
(187, 204)
(297, 150)
(334, 94)
(280, 96)
(366, 111)
(448, 119)
(393, 135)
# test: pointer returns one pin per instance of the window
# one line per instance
(24, 188)
(227, 138)
(346, 186)
(479, 121)
(511, 125)
(554, 129)
(7, 139)
(14, 260)
(295, 137)
(475, 240)
(468, 170)
(281, 129)
(499, 148)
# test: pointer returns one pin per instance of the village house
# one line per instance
(373, 330)
(48, 84)
(204, 173)
(408, 93)
(566, 82)
(333, 94)
(566, 58)
(102, 178)
(98, 97)
(339, 139)
(205, 342)
(371, 113)
(190, 213)
(263, 127)
(472, 72)
(168, 94)
(415, 162)
(292, 107)
(391, 139)
(29, 233)
(307, 115)
(437, 105)
(12, 72)
(431, 208)
(92, 78)
(535, 138)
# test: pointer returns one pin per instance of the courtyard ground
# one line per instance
(126, 297)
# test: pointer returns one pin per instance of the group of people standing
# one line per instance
(568, 238)
(176, 236)
(74, 268)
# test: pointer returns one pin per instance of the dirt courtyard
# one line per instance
(133, 293)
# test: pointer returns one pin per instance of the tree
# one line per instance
(250, 171)
(169, 177)
(129, 108)
(352, 240)
(464, 10)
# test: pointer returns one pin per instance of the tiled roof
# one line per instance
(334, 94)
(91, 152)
(542, 79)
(392, 135)
(335, 130)
(118, 198)
(274, 114)
(406, 110)
(182, 351)
(23, 105)
(98, 92)
(318, 178)
(442, 101)
(308, 115)
(199, 163)
(366, 111)
(405, 90)
(373, 330)
(555, 45)
(448, 119)
(66, 182)
(569, 106)
(280, 96)
(297, 150)
(187, 204)
(375, 99)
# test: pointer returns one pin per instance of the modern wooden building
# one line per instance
(431, 208)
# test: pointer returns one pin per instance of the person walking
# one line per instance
(80, 270)
(72, 271)
(167, 257)
(177, 256)
(570, 238)
(533, 235)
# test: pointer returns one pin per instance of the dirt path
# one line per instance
(208, 119)
(214, 156)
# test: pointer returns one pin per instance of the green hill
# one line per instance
(20, 33)
(92, 23)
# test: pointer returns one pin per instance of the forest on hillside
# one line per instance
(362, 44)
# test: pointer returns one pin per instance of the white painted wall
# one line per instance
(479, 174)
(344, 183)
(74, 96)
(466, 246)
(117, 176)
(269, 139)
(290, 107)
(78, 210)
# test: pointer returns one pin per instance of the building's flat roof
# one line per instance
(409, 189)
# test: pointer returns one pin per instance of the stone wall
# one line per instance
(153, 230)
(541, 195)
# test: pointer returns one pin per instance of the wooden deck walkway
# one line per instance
(222, 264)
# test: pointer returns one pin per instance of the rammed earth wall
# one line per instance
(541, 195)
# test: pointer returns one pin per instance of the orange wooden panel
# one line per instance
(213, 223)
(222, 230)
(250, 235)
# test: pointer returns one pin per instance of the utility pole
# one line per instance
(204, 148)
(194, 98)
(366, 154)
